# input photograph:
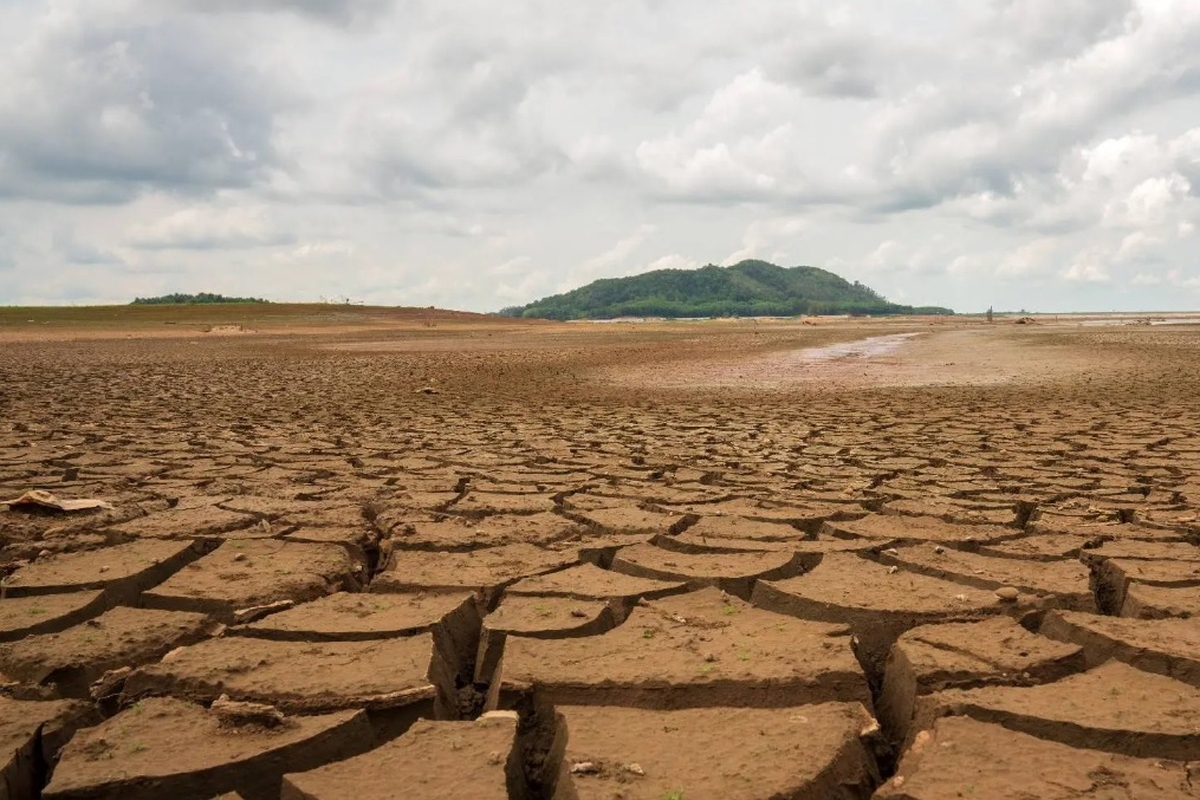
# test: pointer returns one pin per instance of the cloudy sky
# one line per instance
(470, 154)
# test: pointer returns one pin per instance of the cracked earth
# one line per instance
(490, 559)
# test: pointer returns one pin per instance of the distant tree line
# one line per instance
(193, 299)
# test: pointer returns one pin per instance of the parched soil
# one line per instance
(413, 554)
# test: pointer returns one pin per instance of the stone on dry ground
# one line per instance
(252, 572)
(1063, 583)
(811, 752)
(71, 660)
(163, 747)
(995, 651)
(477, 760)
(1168, 647)
(961, 757)
(123, 570)
(1114, 707)
(699, 649)
(350, 616)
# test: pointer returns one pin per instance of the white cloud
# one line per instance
(478, 155)
(209, 228)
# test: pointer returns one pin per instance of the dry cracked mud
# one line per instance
(443, 556)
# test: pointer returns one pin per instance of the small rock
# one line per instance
(240, 557)
(634, 769)
(1008, 593)
(679, 619)
(234, 712)
(939, 549)
(105, 568)
(494, 757)
(710, 657)
(244, 615)
(427, 390)
(891, 551)
(43, 554)
(110, 683)
(893, 570)
(962, 598)
(578, 613)
(585, 768)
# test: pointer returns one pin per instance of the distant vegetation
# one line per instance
(747, 289)
(193, 299)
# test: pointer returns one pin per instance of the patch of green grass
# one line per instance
(674, 794)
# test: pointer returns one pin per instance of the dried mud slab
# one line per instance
(893, 527)
(538, 618)
(168, 748)
(253, 572)
(740, 529)
(350, 616)
(876, 602)
(1157, 602)
(49, 613)
(809, 753)
(478, 760)
(961, 757)
(693, 650)
(1132, 549)
(1040, 547)
(1115, 708)
(487, 569)
(1113, 580)
(1168, 647)
(454, 533)
(587, 581)
(549, 617)
(805, 517)
(1064, 583)
(72, 659)
(186, 523)
(300, 677)
(625, 519)
(993, 652)
(124, 570)
(734, 573)
(31, 735)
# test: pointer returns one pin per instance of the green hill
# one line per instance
(747, 289)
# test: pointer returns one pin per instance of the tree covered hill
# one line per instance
(749, 288)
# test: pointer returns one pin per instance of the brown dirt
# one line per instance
(809, 753)
(480, 760)
(960, 758)
(390, 456)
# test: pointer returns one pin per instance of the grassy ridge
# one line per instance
(749, 288)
